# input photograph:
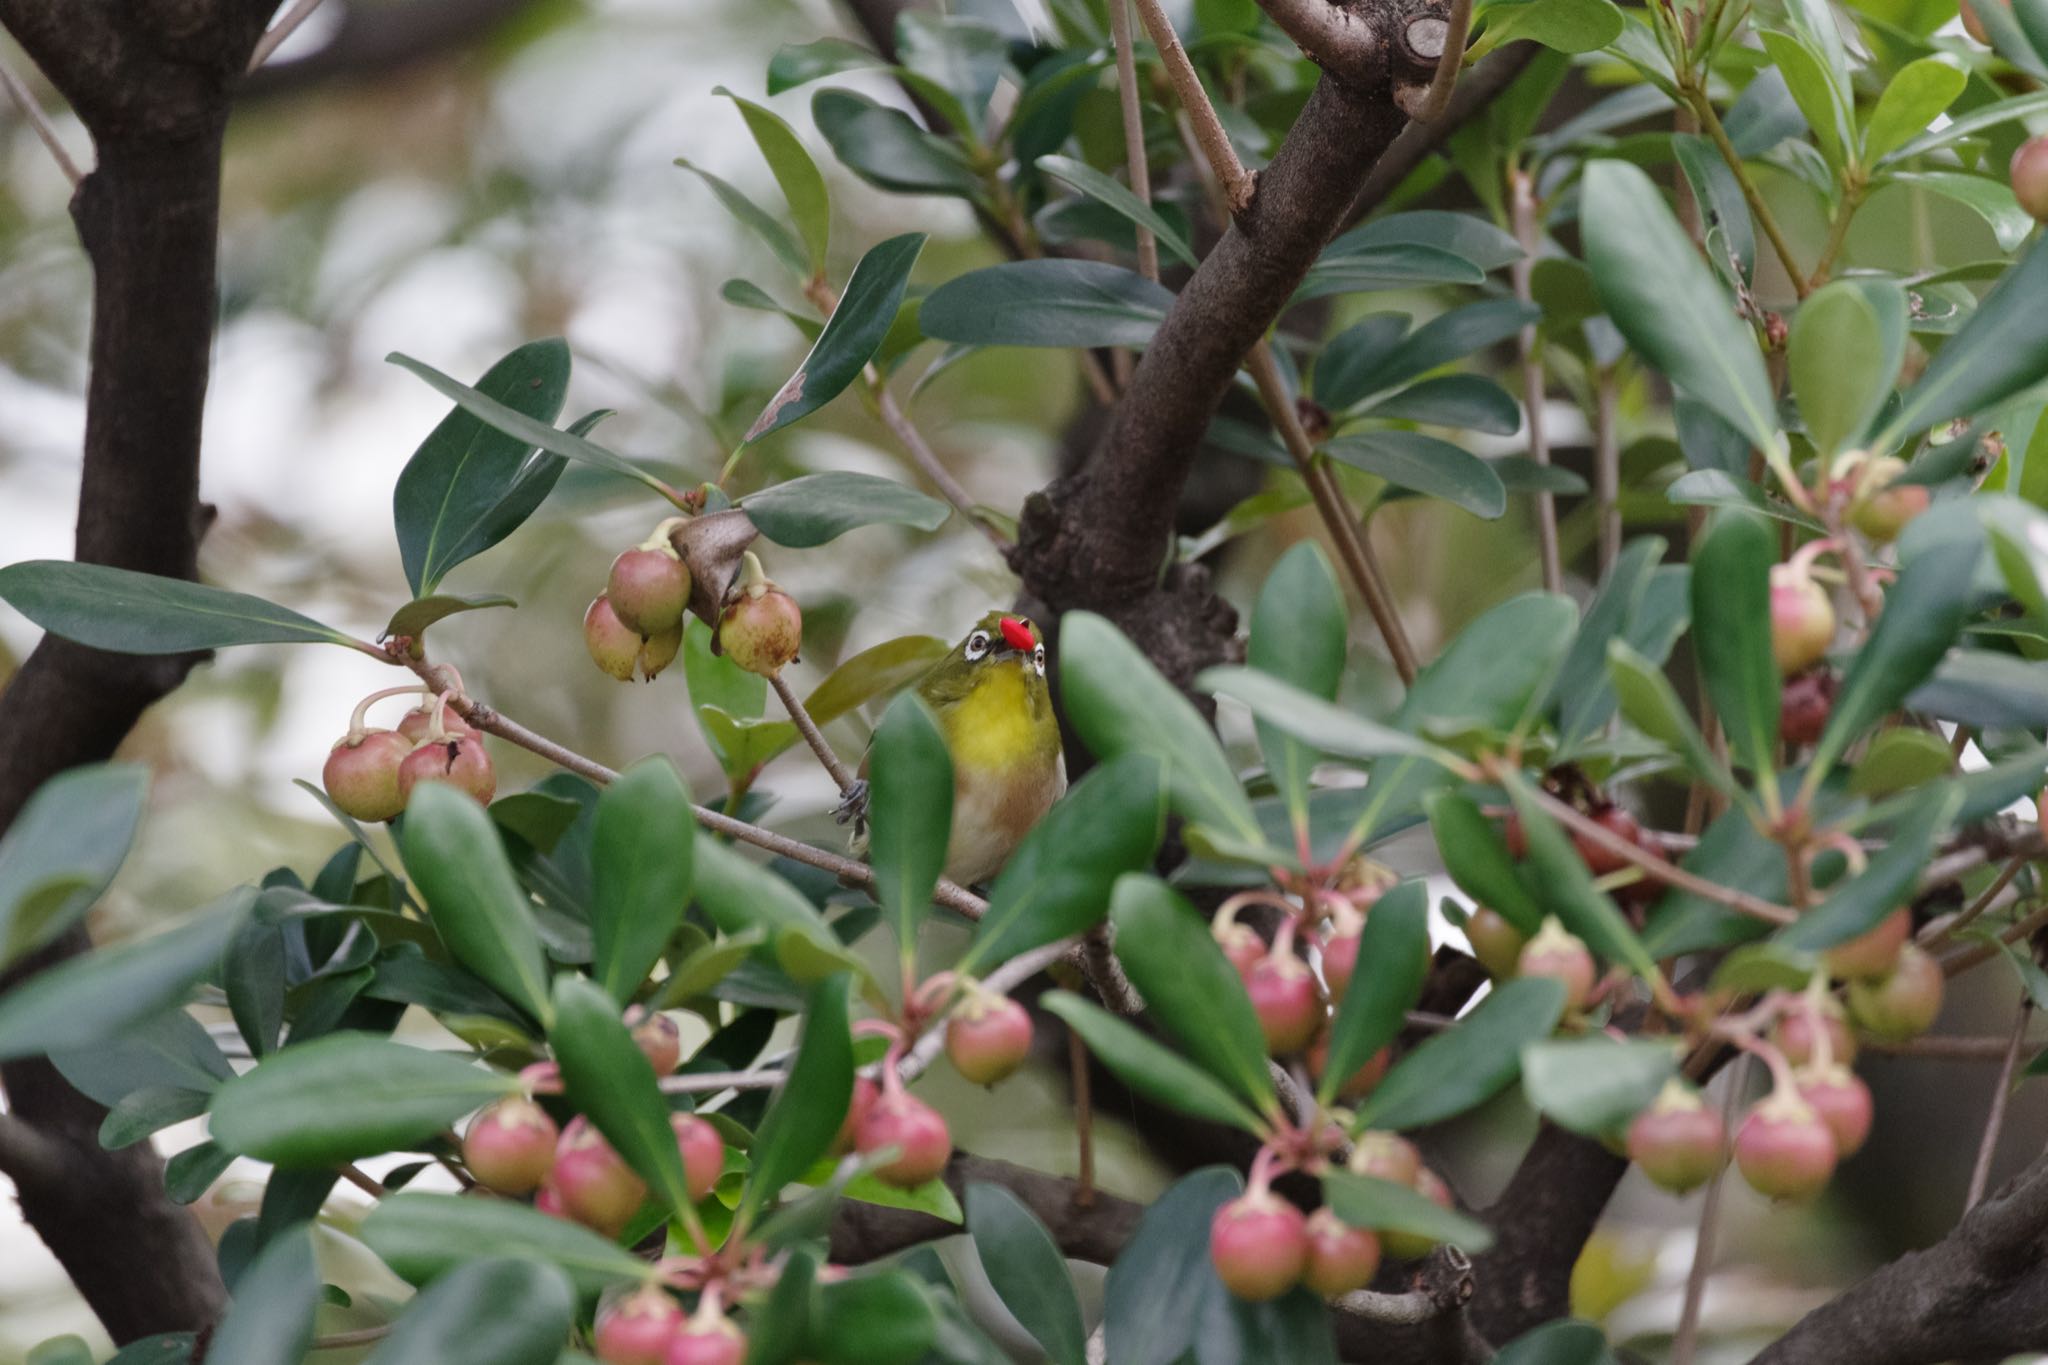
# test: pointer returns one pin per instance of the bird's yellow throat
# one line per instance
(996, 726)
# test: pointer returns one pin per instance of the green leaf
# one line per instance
(459, 865)
(886, 148)
(1298, 630)
(1991, 200)
(1580, 697)
(1668, 304)
(911, 805)
(1562, 25)
(271, 1319)
(1596, 1084)
(1424, 464)
(1462, 234)
(1860, 903)
(641, 844)
(412, 619)
(1350, 267)
(1843, 356)
(1916, 96)
(1161, 1283)
(1102, 189)
(803, 1120)
(1150, 1068)
(815, 509)
(1497, 669)
(1564, 887)
(1323, 725)
(810, 203)
(1651, 704)
(1973, 123)
(1731, 615)
(1189, 987)
(610, 1081)
(1393, 960)
(1557, 1343)
(1050, 302)
(1058, 882)
(147, 1111)
(961, 57)
(450, 491)
(64, 1350)
(763, 224)
(497, 1311)
(1808, 78)
(877, 1318)
(126, 612)
(99, 996)
(2000, 350)
(740, 895)
(1437, 342)
(852, 334)
(1027, 1271)
(421, 1236)
(1477, 860)
(1467, 1064)
(1729, 231)
(797, 64)
(1900, 759)
(62, 850)
(1366, 1201)
(1471, 402)
(348, 1095)
(1118, 703)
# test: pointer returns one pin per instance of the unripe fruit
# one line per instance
(461, 763)
(1784, 1150)
(1802, 619)
(915, 1129)
(1873, 953)
(1340, 962)
(1385, 1156)
(1495, 942)
(1558, 954)
(716, 1342)
(659, 651)
(1283, 995)
(2030, 176)
(1799, 1032)
(660, 1041)
(988, 1038)
(362, 777)
(1409, 1246)
(648, 590)
(1842, 1100)
(1804, 707)
(510, 1146)
(593, 1182)
(762, 630)
(614, 646)
(1341, 1258)
(703, 1151)
(1242, 945)
(865, 1093)
(1900, 1006)
(418, 723)
(1677, 1140)
(1361, 1082)
(1599, 859)
(1886, 505)
(1259, 1245)
(637, 1329)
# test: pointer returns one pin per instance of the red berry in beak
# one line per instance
(1018, 634)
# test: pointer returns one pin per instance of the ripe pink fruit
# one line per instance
(1340, 962)
(461, 762)
(714, 1342)
(1800, 1029)
(1385, 1156)
(1842, 1100)
(1259, 1245)
(1495, 942)
(1784, 1150)
(1805, 705)
(1409, 1246)
(1283, 995)
(1242, 945)
(703, 1152)
(865, 1093)
(637, 1329)
(648, 589)
(417, 723)
(1678, 1140)
(988, 1038)
(1903, 1005)
(1802, 619)
(915, 1129)
(762, 629)
(2030, 177)
(614, 646)
(362, 777)
(593, 1183)
(510, 1146)
(1341, 1258)
(548, 1200)
(660, 1040)
(1874, 953)
(1361, 1082)
(1558, 954)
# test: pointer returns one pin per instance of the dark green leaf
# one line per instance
(1477, 860)
(740, 895)
(1731, 614)
(1843, 356)
(610, 1082)
(1367, 1202)
(455, 858)
(763, 224)
(421, 1236)
(1495, 671)
(1596, 1084)
(271, 1320)
(147, 1111)
(2002, 349)
(1564, 887)
(1985, 688)
(1557, 1343)
(1651, 704)
(886, 148)
(1468, 1064)
(1471, 402)
(1298, 630)
(851, 336)
(911, 804)
(810, 204)
(62, 850)
(817, 508)
(1444, 339)
(641, 861)
(1424, 464)
(140, 613)
(797, 64)
(1160, 1283)
(1580, 698)
(1104, 190)
(1462, 234)
(498, 1311)
(411, 620)
(191, 1173)
(1573, 26)
(252, 973)
(877, 1318)
(805, 1117)
(1027, 1271)
(1148, 1067)
(1051, 302)
(1364, 267)
(1393, 960)
(1323, 725)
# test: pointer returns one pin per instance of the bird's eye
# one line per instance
(1038, 660)
(977, 645)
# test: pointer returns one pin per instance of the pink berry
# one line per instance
(1800, 1029)
(593, 1182)
(648, 590)
(1873, 953)
(1802, 620)
(660, 1040)
(510, 1147)
(1283, 995)
(362, 777)
(762, 631)
(2030, 177)
(1495, 942)
(1259, 1245)
(1559, 955)
(614, 646)
(1243, 946)
(1340, 962)
(1598, 858)
(703, 1151)
(1341, 1258)
(1784, 1150)
(915, 1129)
(1385, 1156)
(1803, 709)
(1409, 1246)
(717, 1342)
(1678, 1140)
(865, 1093)
(637, 1329)
(988, 1038)
(1903, 1005)
(548, 1200)
(418, 723)
(461, 762)
(1842, 1100)
(1362, 1081)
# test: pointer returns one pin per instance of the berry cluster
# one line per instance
(370, 774)
(635, 626)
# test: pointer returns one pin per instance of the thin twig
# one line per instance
(1948, 1048)
(1448, 62)
(355, 1176)
(40, 122)
(1659, 869)
(1938, 930)
(1710, 123)
(1955, 964)
(842, 776)
(1238, 183)
(1522, 273)
(1686, 1340)
(1084, 1106)
(274, 37)
(1607, 464)
(926, 459)
(1980, 1176)
(1136, 165)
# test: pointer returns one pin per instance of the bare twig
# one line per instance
(1659, 869)
(40, 122)
(1607, 463)
(842, 776)
(1084, 1114)
(1686, 1339)
(926, 459)
(1135, 162)
(1238, 183)
(1938, 930)
(1522, 210)
(355, 1176)
(1955, 964)
(1438, 100)
(286, 25)
(1994, 1122)
(1949, 1048)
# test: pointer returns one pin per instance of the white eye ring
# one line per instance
(977, 645)
(1038, 660)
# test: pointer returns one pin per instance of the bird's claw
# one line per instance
(853, 805)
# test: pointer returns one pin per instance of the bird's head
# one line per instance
(1001, 644)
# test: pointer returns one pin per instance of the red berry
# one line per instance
(1678, 1140)
(865, 1093)
(1495, 942)
(660, 1040)
(1784, 1150)
(594, 1184)
(1259, 1245)
(461, 762)
(1385, 1156)
(614, 646)
(1340, 962)
(1341, 1258)
(1361, 1082)
(716, 1342)
(657, 652)
(1559, 955)
(762, 630)
(1409, 1246)
(1802, 619)
(648, 590)
(915, 1129)
(510, 1147)
(703, 1152)
(1242, 945)
(1842, 1100)
(1283, 995)
(362, 777)
(988, 1038)
(1800, 1030)
(2030, 176)
(1903, 1005)
(1515, 837)
(418, 723)
(1873, 953)
(1599, 859)
(637, 1329)
(1804, 707)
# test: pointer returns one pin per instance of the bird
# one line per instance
(994, 710)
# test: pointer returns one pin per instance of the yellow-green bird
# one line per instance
(994, 709)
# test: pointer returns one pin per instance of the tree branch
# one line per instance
(1335, 37)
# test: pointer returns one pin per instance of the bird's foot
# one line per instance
(853, 806)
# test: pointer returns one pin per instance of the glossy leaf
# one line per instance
(610, 1081)
(1820, 102)
(126, 612)
(482, 913)
(1148, 1067)
(866, 310)
(63, 848)
(1443, 339)
(412, 619)
(1161, 1282)
(808, 1109)
(1027, 1271)
(1580, 697)
(1497, 670)
(1860, 903)
(1991, 200)
(1846, 344)
(2002, 349)
(1051, 302)
(886, 148)
(1355, 267)
(1596, 1084)
(810, 204)
(1573, 26)
(1323, 725)
(1368, 1202)
(796, 64)
(911, 813)
(740, 895)
(773, 233)
(1298, 635)
(815, 509)
(1477, 860)
(1731, 613)
(1393, 961)
(1104, 190)
(1462, 234)
(1651, 704)
(421, 1236)
(1916, 96)
(642, 841)
(1470, 402)
(271, 1319)
(877, 1318)
(1466, 1065)
(1426, 465)
(1564, 887)
(495, 1311)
